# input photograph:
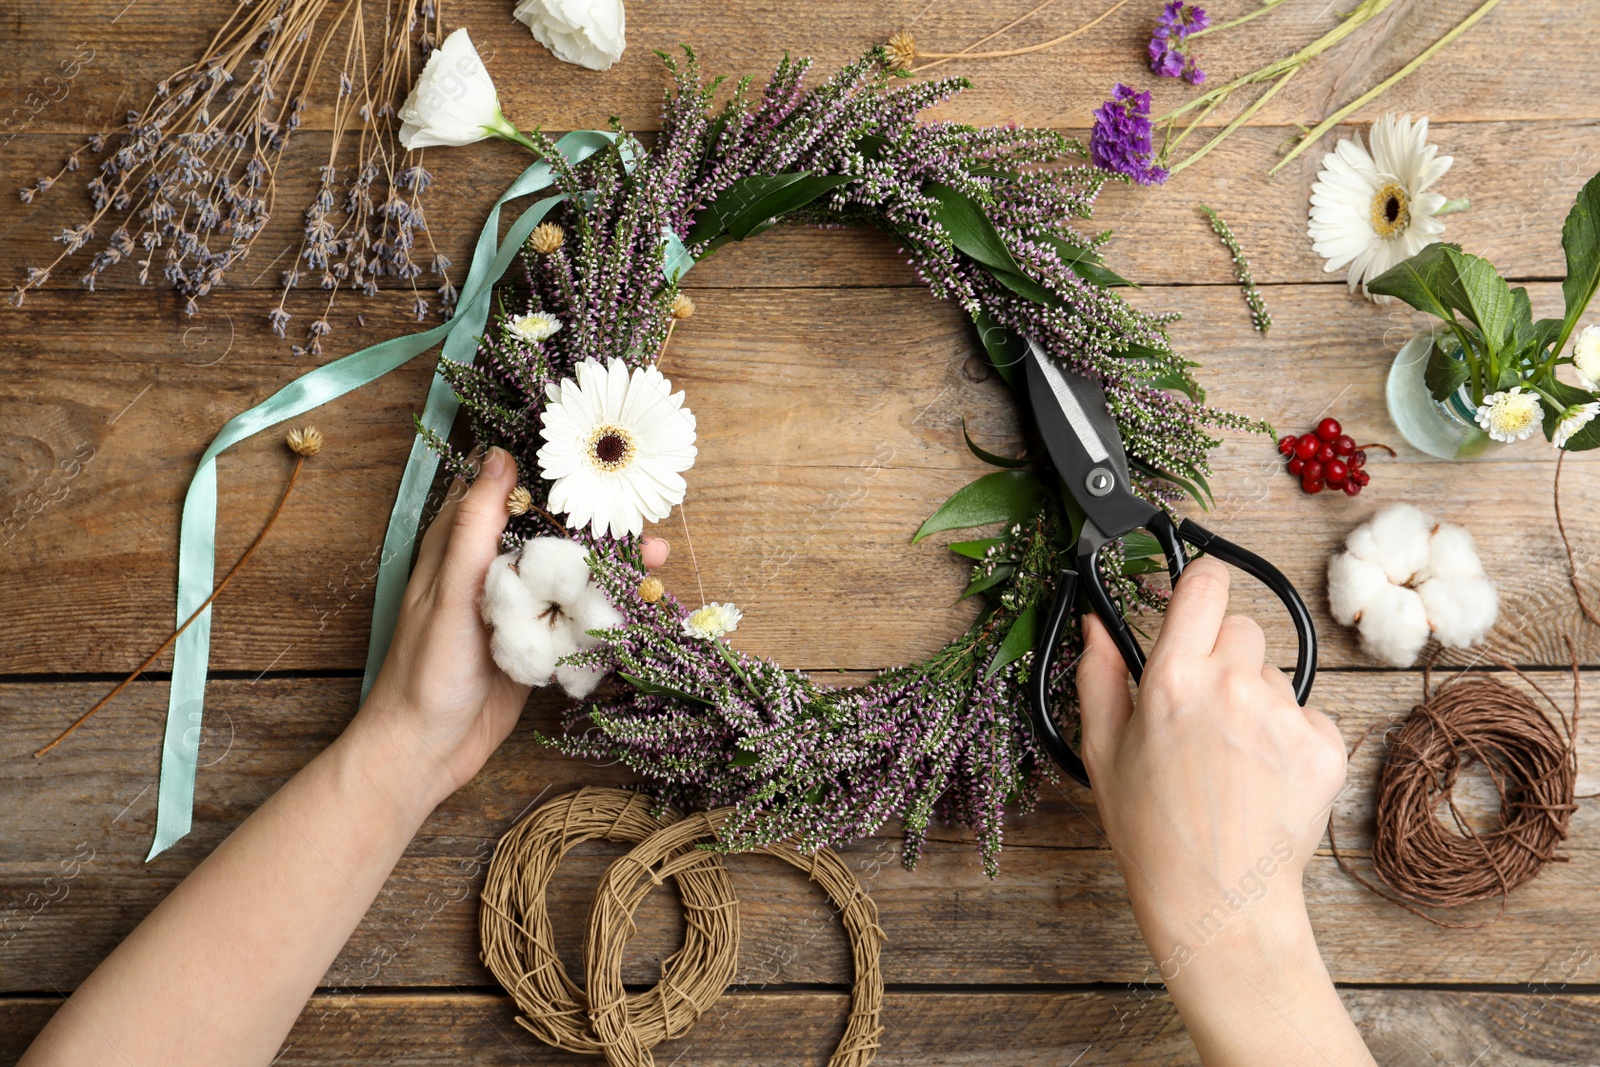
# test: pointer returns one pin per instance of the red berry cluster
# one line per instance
(1328, 457)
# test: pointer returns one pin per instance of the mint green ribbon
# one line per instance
(197, 537)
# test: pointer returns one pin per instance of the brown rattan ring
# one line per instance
(671, 853)
(519, 946)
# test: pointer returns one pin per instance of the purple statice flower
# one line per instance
(1168, 56)
(1121, 139)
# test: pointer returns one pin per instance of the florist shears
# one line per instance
(1087, 451)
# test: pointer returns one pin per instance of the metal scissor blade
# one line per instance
(1084, 444)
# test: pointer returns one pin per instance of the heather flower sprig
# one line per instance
(1260, 318)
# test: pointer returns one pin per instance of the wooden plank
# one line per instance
(830, 425)
(124, 49)
(973, 1028)
(1515, 219)
(1057, 913)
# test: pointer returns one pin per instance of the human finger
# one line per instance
(1195, 612)
(1240, 641)
(1279, 681)
(1104, 703)
(476, 524)
(654, 551)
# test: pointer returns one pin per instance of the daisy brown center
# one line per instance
(1391, 211)
(611, 448)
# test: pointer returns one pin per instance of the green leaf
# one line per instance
(1427, 281)
(1026, 287)
(1135, 567)
(980, 582)
(1005, 349)
(1568, 395)
(1547, 332)
(1004, 496)
(976, 549)
(989, 457)
(970, 229)
(1580, 238)
(1199, 488)
(783, 201)
(745, 759)
(1446, 370)
(655, 689)
(1086, 263)
(1484, 297)
(1139, 544)
(1017, 642)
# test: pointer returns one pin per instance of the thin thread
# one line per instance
(299, 461)
(945, 57)
(683, 517)
(1566, 543)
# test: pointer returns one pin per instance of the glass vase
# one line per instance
(1444, 428)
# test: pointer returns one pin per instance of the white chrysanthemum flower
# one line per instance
(453, 101)
(1573, 419)
(535, 326)
(615, 447)
(1510, 415)
(712, 621)
(1586, 356)
(1371, 210)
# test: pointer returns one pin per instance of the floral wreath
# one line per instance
(565, 380)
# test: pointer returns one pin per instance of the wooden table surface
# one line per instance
(830, 390)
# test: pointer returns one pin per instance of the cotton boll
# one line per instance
(1394, 626)
(1396, 539)
(554, 569)
(521, 642)
(593, 611)
(1352, 584)
(578, 682)
(1460, 610)
(1452, 555)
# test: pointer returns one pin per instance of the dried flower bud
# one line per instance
(651, 589)
(520, 502)
(902, 49)
(305, 441)
(546, 238)
(682, 306)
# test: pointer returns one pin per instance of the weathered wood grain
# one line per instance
(1161, 237)
(1057, 913)
(831, 426)
(1117, 1028)
(1520, 63)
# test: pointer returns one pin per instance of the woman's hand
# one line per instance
(1214, 789)
(439, 698)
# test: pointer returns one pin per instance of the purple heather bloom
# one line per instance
(1121, 141)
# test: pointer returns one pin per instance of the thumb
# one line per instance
(1104, 704)
(476, 527)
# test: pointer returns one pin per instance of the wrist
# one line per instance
(392, 762)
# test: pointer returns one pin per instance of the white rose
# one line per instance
(586, 32)
(1586, 356)
(453, 101)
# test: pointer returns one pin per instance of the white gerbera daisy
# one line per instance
(1586, 356)
(1370, 211)
(1511, 415)
(1573, 419)
(712, 621)
(615, 446)
(535, 326)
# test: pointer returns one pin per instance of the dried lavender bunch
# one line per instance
(708, 725)
(191, 184)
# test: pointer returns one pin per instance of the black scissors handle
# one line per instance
(1171, 538)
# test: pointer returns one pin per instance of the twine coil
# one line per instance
(1425, 862)
(518, 946)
